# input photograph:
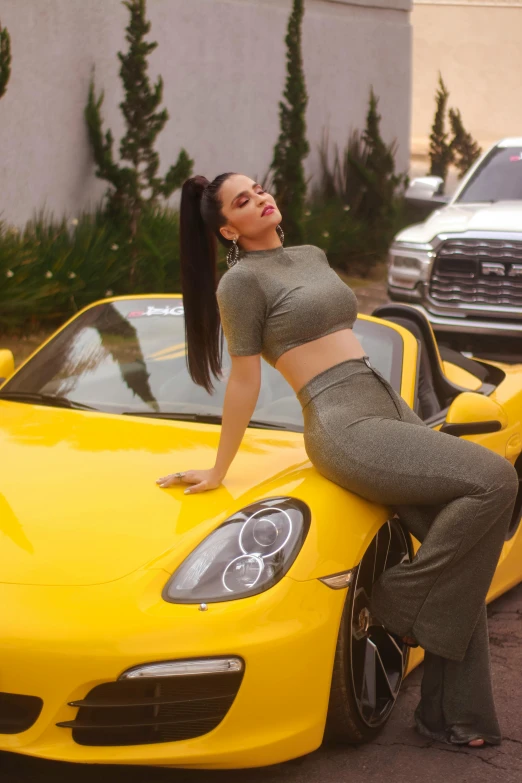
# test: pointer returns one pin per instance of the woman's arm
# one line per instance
(240, 400)
(241, 396)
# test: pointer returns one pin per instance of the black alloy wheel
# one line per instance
(516, 519)
(369, 664)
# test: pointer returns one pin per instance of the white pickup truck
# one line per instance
(463, 265)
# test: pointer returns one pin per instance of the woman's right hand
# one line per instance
(200, 480)
(239, 403)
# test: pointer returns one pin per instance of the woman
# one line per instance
(456, 497)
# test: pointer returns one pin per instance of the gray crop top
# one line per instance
(274, 300)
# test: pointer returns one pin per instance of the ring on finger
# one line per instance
(179, 474)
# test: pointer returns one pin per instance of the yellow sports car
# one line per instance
(224, 629)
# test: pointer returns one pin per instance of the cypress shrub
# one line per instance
(465, 148)
(441, 154)
(286, 170)
(136, 188)
(461, 149)
(5, 59)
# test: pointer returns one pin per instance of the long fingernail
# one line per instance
(186, 491)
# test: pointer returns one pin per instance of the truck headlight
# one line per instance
(408, 263)
(251, 551)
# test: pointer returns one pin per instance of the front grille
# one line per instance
(150, 709)
(478, 271)
(18, 713)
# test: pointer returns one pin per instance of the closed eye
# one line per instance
(247, 200)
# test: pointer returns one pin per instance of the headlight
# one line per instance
(246, 555)
(408, 263)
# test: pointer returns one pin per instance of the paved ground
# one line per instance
(399, 755)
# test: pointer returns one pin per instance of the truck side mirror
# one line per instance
(426, 193)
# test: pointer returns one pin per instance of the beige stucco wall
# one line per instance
(477, 46)
(223, 63)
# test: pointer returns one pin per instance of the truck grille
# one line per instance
(18, 713)
(478, 271)
(150, 709)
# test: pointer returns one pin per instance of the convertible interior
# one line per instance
(435, 390)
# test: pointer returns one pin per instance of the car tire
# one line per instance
(369, 664)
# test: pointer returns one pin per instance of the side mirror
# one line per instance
(474, 414)
(6, 364)
(425, 188)
(426, 192)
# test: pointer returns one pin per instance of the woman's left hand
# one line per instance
(200, 480)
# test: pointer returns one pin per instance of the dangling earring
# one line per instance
(281, 233)
(233, 254)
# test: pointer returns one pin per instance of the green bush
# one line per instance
(329, 225)
(357, 205)
(348, 242)
(53, 268)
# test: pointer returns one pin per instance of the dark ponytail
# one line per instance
(200, 219)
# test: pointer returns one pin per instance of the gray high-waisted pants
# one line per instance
(457, 498)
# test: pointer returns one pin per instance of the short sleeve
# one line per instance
(322, 255)
(242, 311)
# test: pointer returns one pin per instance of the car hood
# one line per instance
(78, 500)
(504, 216)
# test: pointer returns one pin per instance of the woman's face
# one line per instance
(250, 211)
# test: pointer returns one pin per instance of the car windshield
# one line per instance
(498, 178)
(128, 357)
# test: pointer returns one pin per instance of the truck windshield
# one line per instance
(499, 178)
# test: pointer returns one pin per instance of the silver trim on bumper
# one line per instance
(470, 326)
(184, 668)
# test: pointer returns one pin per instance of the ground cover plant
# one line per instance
(51, 269)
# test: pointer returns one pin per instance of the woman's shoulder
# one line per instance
(234, 274)
(236, 282)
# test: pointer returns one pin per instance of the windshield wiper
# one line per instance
(206, 418)
(273, 425)
(45, 399)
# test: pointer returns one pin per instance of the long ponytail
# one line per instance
(200, 218)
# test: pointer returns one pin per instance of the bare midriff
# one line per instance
(300, 364)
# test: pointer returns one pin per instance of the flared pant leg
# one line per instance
(457, 702)
(442, 592)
